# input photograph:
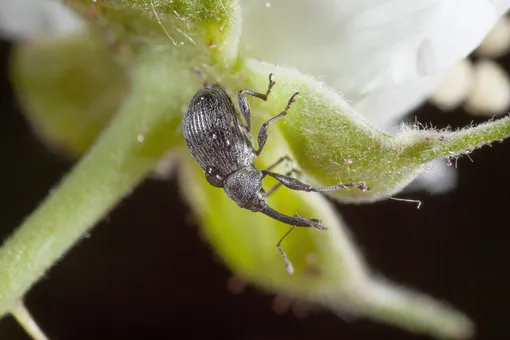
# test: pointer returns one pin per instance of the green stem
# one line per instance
(430, 145)
(25, 319)
(135, 141)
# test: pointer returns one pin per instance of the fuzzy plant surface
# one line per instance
(109, 86)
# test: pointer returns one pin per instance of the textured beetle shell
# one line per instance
(213, 133)
(244, 188)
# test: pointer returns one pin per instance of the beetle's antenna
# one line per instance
(288, 264)
(296, 221)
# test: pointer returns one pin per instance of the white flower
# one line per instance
(386, 56)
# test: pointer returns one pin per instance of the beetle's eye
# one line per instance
(213, 176)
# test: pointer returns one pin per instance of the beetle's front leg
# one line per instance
(244, 106)
(279, 184)
(290, 172)
(262, 137)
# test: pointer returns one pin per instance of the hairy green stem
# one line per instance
(137, 138)
(429, 145)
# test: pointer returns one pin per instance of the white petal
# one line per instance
(25, 19)
(361, 46)
(385, 55)
(386, 107)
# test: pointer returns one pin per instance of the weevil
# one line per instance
(222, 146)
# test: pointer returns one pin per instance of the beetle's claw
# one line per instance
(363, 187)
(312, 222)
(271, 78)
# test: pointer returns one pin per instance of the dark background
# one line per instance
(145, 272)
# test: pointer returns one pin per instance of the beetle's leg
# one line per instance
(262, 138)
(296, 184)
(288, 264)
(276, 186)
(294, 221)
(244, 106)
(281, 159)
(274, 165)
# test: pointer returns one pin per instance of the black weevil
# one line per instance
(223, 147)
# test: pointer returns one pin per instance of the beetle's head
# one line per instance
(245, 188)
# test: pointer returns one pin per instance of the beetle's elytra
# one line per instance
(223, 147)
